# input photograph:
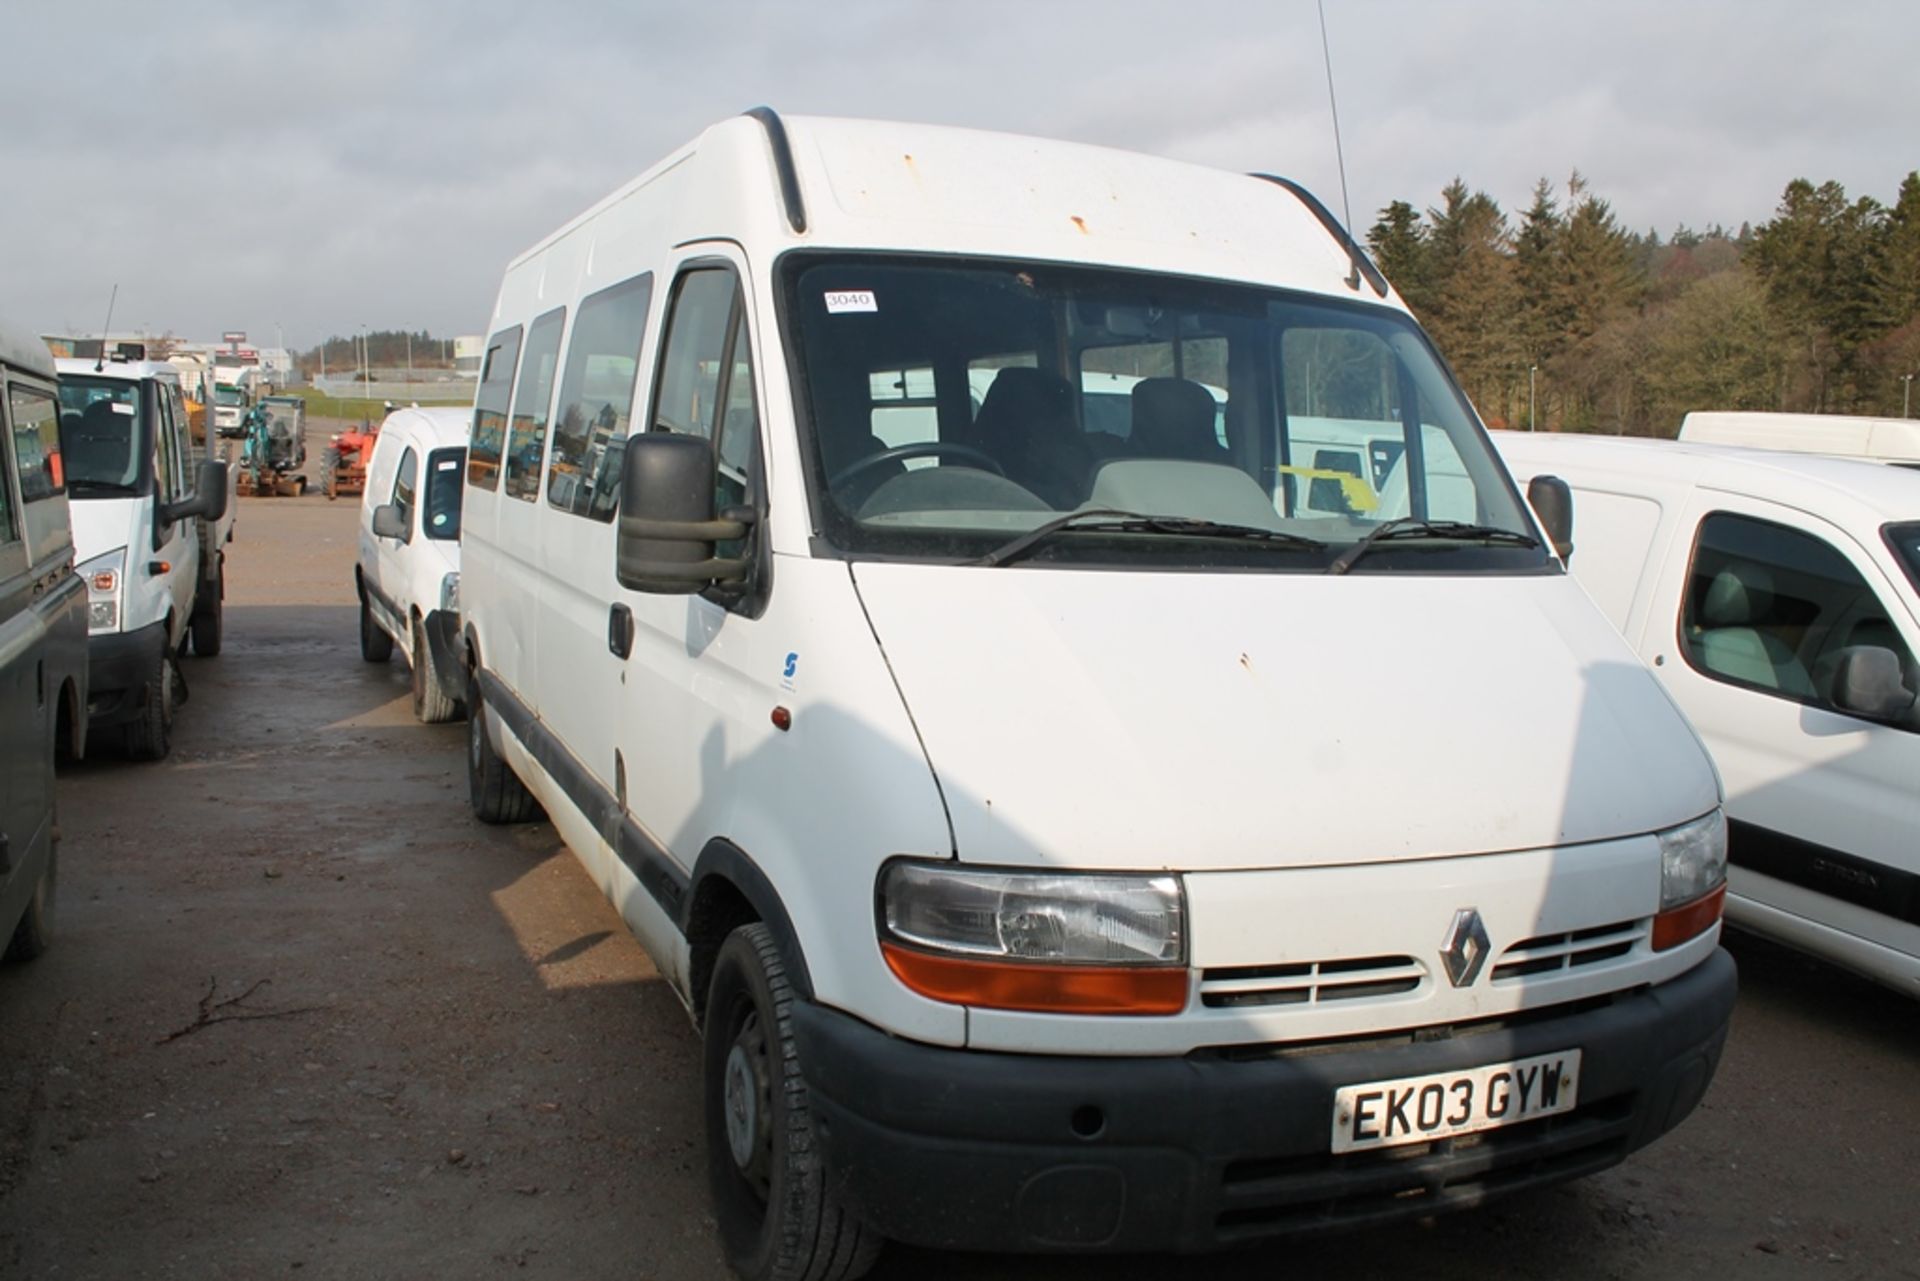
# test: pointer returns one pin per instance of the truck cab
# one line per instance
(138, 508)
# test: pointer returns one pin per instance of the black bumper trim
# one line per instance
(963, 1149)
(117, 667)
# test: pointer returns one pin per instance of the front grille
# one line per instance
(1552, 953)
(1260, 1198)
(1310, 982)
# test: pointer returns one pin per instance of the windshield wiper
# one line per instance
(1457, 531)
(1111, 520)
(81, 484)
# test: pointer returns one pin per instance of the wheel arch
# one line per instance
(729, 890)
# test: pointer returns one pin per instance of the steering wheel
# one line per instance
(918, 449)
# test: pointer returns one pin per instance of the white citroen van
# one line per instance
(1777, 596)
(407, 575)
(140, 513)
(1068, 843)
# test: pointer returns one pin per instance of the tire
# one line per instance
(375, 645)
(495, 791)
(431, 702)
(35, 930)
(206, 625)
(150, 737)
(778, 1219)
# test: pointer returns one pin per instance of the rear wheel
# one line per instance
(375, 645)
(778, 1219)
(150, 736)
(431, 702)
(495, 791)
(206, 625)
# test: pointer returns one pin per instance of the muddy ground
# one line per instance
(303, 1016)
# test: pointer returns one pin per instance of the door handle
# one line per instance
(620, 630)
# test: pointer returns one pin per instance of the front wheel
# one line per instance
(778, 1220)
(149, 737)
(206, 625)
(431, 702)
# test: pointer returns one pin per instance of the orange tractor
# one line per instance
(343, 463)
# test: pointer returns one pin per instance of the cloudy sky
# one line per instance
(305, 169)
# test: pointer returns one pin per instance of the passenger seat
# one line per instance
(1730, 641)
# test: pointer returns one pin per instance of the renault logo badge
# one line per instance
(1466, 947)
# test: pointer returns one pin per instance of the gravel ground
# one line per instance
(304, 1016)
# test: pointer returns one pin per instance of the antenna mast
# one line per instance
(1339, 153)
(112, 298)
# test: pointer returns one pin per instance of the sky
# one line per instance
(300, 170)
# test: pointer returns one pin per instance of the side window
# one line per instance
(43, 481)
(194, 450)
(904, 410)
(1771, 608)
(404, 483)
(527, 438)
(490, 409)
(595, 409)
(9, 525)
(441, 518)
(166, 433)
(707, 363)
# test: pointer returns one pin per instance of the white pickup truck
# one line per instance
(149, 529)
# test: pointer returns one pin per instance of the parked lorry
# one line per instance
(1067, 843)
(150, 528)
(1777, 597)
(43, 644)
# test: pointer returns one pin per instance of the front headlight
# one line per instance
(450, 593)
(1693, 880)
(105, 576)
(1082, 943)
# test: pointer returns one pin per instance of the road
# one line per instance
(303, 1016)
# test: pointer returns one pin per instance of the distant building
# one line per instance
(467, 353)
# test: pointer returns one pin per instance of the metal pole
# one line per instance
(1906, 402)
(1531, 370)
(409, 355)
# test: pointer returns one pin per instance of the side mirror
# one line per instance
(667, 531)
(208, 500)
(1552, 501)
(1867, 683)
(390, 522)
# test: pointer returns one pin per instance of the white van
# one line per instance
(138, 508)
(1886, 440)
(408, 572)
(1072, 844)
(1778, 598)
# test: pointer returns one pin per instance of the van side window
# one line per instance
(167, 436)
(490, 409)
(404, 482)
(706, 380)
(9, 527)
(527, 439)
(1771, 608)
(43, 480)
(595, 409)
(442, 510)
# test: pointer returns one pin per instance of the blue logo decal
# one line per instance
(793, 661)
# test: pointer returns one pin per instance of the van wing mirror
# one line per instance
(389, 522)
(1552, 501)
(667, 529)
(1867, 682)
(209, 497)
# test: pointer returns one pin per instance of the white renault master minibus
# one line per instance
(1069, 839)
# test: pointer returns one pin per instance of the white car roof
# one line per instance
(1878, 491)
(26, 354)
(432, 426)
(130, 370)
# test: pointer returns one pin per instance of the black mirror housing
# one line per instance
(667, 529)
(1552, 501)
(208, 500)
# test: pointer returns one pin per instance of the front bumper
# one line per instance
(118, 665)
(961, 1149)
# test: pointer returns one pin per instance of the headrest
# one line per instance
(98, 417)
(1024, 401)
(1739, 596)
(1171, 415)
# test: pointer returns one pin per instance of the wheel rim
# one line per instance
(745, 1100)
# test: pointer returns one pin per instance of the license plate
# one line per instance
(1420, 1109)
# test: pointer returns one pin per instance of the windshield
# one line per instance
(103, 430)
(1905, 541)
(445, 471)
(229, 396)
(954, 406)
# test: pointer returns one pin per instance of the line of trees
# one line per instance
(385, 349)
(1817, 310)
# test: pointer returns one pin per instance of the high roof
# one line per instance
(16, 349)
(882, 185)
